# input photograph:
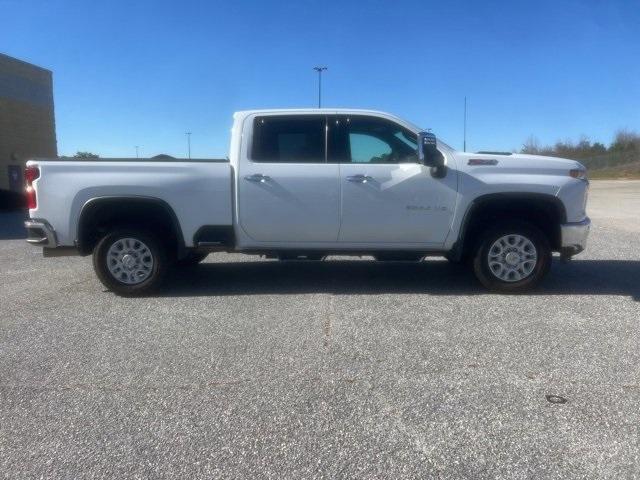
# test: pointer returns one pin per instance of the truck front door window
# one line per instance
(368, 149)
(376, 140)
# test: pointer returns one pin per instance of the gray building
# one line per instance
(27, 123)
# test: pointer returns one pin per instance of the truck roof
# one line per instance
(311, 110)
(344, 111)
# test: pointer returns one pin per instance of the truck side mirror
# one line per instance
(427, 150)
(429, 155)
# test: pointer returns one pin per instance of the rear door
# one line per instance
(387, 196)
(287, 190)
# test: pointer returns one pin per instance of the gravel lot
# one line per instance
(251, 368)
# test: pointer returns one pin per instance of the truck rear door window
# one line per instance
(289, 139)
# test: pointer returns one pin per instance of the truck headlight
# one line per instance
(579, 173)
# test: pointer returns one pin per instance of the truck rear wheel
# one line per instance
(512, 258)
(130, 262)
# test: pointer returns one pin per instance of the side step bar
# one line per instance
(212, 246)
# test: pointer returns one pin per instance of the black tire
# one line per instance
(155, 272)
(515, 279)
(454, 261)
(191, 260)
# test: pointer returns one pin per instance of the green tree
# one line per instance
(85, 155)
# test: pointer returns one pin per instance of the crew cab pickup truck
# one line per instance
(305, 184)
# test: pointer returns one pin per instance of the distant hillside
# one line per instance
(609, 160)
(620, 159)
(629, 170)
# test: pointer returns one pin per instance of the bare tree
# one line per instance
(531, 146)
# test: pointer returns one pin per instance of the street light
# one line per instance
(319, 70)
(137, 155)
(188, 134)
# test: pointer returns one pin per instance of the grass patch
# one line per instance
(630, 171)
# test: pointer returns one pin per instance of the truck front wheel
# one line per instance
(130, 262)
(512, 258)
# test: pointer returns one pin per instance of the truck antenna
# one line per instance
(464, 145)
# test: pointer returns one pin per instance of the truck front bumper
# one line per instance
(574, 237)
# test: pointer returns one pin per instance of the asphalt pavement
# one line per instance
(247, 368)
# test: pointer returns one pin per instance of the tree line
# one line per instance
(625, 148)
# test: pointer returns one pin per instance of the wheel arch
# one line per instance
(99, 214)
(547, 212)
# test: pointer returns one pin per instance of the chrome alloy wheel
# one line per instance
(130, 261)
(512, 258)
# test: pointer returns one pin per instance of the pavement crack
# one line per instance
(327, 324)
(327, 330)
(120, 387)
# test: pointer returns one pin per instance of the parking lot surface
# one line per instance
(244, 367)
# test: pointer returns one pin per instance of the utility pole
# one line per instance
(137, 153)
(464, 146)
(319, 70)
(188, 134)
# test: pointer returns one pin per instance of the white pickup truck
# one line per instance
(305, 184)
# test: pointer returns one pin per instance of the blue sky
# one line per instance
(144, 72)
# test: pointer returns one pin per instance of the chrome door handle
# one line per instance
(257, 178)
(359, 178)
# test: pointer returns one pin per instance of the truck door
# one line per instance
(387, 196)
(287, 190)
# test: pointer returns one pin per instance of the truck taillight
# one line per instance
(30, 174)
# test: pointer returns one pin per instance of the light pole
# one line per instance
(188, 134)
(137, 153)
(319, 70)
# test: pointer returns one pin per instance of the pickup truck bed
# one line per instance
(199, 191)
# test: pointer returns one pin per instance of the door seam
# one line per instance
(340, 202)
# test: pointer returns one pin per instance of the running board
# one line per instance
(211, 246)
